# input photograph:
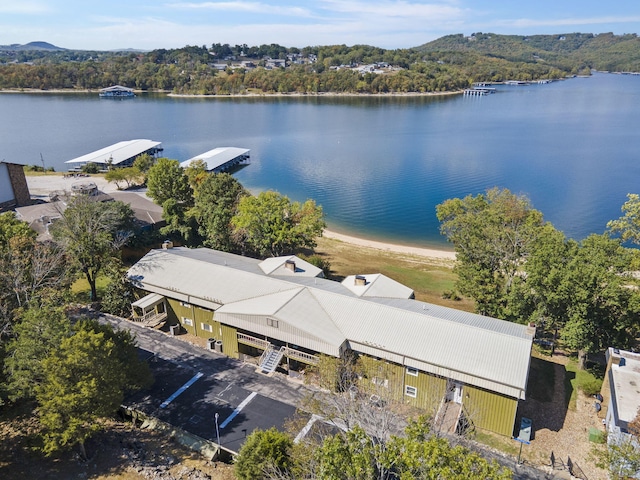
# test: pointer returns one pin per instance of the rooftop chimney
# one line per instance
(360, 280)
(167, 244)
(290, 265)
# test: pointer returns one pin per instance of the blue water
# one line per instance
(378, 166)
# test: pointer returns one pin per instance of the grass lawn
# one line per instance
(81, 290)
(589, 381)
(428, 277)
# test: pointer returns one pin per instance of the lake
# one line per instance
(377, 165)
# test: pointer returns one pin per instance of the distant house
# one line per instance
(14, 191)
(462, 367)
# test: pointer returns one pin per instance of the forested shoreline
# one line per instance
(449, 64)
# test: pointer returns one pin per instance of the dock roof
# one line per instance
(117, 153)
(217, 157)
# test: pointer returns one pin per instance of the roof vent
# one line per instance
(290, 265)
(360, 280)
(167, 244)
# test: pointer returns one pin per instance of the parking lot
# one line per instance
(192, 385)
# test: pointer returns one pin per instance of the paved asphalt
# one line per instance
(243, 399)
(192, 384)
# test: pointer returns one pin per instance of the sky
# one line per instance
(391, 24)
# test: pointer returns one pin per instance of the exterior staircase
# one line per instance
(271, 359)
(448, 417)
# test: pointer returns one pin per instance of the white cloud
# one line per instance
(400, 8)
(528, 22)
(244, 7)
(23, 7)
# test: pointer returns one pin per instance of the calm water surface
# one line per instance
(378, 166)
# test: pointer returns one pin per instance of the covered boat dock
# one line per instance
(121, 154)
(220, 159)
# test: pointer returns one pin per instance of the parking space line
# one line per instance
(238, 409)
(181, 389)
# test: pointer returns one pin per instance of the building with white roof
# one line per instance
(220, 159)
(429, 356)
(623, 393)
(121, 154)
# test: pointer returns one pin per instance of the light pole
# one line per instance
(217, 432)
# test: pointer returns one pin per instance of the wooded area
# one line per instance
(451, 63)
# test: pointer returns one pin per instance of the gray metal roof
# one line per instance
(217, 157)
(482, 351)
(117, 153)
(299, 267)
(377, 285)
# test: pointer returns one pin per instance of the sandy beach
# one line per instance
(391, 247)
(41, 185)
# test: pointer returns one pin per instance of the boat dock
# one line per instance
(479, 91)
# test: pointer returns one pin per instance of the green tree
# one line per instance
(271, 224)
(92, 232)
(40, 330)
(84, 380)
(628, 225)
(119, 293)
(602, 308)
(144, 162)
(492, 234)
(215, 205)
(128, 175)
(196, 172)
(12, 228)
(263, 450)
(167, 180)
(543, 299)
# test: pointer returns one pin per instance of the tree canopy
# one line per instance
(91, 232)
(84, 380)
(216, 203)
(271, 225)
(491, 233)
(518, 268)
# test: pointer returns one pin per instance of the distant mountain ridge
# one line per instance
(604, 51)
(16, 47)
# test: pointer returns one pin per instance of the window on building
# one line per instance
(185, 304)
(187, 321)
(206, 327)
(410, 391)
(272, 322)
(412, 371)
(381, 382)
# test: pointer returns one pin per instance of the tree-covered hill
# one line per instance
(451, 63)
(605, 51)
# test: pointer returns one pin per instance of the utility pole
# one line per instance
(42, 160)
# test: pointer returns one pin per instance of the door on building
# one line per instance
(454, 391)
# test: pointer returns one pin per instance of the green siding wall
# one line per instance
(230, 341)
(431, 390)
(489, 410)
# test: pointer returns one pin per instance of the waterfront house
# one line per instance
(459, 366)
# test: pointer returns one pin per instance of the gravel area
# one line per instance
(563, 431)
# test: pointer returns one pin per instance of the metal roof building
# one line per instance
(220, 159)
(281, 298)
(120, 154)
